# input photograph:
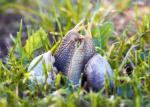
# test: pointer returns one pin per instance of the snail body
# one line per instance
(75, 66)
(72, 55)
(82, 54)
(65, 51)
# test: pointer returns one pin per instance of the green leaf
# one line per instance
(58, 80)
(35, 41)
(0, 67)
(3, 102)
(102, 34)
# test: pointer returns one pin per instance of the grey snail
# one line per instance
(97, 70)
(36, 69)
(75, 55)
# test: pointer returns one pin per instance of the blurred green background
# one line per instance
(120, 29)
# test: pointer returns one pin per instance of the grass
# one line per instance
(130, 90)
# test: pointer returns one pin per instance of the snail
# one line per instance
(97, 70)
(72, 54)
(36, 69)
(75, 55)
(65, 51)
(81, 55)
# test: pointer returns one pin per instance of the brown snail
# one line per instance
(81, 55)
(72, 55)
(65, 51)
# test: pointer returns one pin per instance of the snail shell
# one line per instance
(36, 69)
(97, 71)
(65, 51)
